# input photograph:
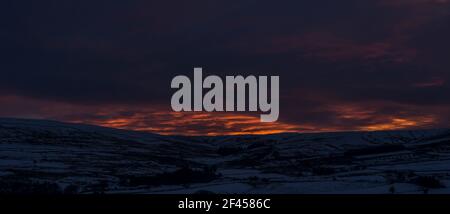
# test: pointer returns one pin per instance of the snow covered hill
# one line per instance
(38, 156)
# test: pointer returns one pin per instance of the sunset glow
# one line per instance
(352, 65)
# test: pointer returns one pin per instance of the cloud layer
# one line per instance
(343, 65)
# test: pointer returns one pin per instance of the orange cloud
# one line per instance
(162, 120)
(194, 123)
(399, 123)
(374, 120)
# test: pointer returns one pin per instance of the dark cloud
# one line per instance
(381, 60)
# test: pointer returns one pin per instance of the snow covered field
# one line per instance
(38, 156)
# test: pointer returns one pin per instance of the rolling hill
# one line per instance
(49, 157)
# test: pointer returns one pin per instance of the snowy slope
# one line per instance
(40, 156)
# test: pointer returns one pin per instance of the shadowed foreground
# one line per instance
(49, 157)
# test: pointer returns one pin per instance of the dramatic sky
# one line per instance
(343, 64)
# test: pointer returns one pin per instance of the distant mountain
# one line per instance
(39, 156)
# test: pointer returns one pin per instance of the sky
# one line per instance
(343, 65)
